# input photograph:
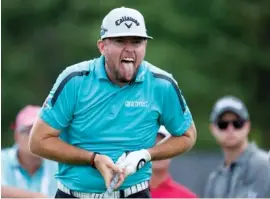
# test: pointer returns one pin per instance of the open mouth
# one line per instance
(127, 60)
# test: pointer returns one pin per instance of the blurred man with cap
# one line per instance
(162, 184)
(245, 169)
(22, 173)
(100, 109)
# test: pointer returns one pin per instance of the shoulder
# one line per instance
(79, 69)
(75, 73)
(7, 158)
(259, 159)
(161, 77)
(7, 153)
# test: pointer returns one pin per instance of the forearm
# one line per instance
(13, 192)
(174, 146)
(55, 149)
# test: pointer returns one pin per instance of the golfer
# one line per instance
(99, 109)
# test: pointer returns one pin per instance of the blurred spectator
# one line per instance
(24, 174)
(245, 170)
(162, 185)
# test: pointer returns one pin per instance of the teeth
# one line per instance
(128, 59)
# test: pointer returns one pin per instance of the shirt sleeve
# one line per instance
(57, 110)
(175, 116)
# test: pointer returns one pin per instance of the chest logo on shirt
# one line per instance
(136, 103)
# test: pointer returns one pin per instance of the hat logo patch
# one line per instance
(128, 26)
(125, 19)
(103, 31)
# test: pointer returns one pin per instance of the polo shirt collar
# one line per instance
(100, 68)
(101, 71)
(242, 159)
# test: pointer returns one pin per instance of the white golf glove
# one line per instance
(121, 158)
(134, 161)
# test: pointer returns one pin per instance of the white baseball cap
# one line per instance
(229, 103)
(121, 22)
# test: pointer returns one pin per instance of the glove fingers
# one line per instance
(129, 170)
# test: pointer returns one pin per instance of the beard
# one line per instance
(121, 78)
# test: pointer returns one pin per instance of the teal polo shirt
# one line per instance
(13, 174)
(96, 115)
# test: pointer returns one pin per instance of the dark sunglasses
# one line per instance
(237, 124)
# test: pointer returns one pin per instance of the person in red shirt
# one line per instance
(162, 184)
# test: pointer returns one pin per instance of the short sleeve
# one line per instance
(57, 110)
(175, 116)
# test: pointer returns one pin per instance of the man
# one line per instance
(162, 184)
(24, 174)
(100, 109)
(245, 171)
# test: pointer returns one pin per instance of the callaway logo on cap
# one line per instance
(121, 22)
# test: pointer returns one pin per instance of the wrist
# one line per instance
(92, 160)
(147, 155)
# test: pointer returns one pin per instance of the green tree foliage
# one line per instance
(212, 47)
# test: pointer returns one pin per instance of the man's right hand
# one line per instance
(108, 169)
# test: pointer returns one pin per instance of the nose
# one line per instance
(129, 46)
(230, 128)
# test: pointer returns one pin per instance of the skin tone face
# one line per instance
(230, 137)
(22, 140)
(123, 55)
(28, 160)
(161, 164)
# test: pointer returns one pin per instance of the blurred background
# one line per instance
(212, 48)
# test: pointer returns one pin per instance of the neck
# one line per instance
(29, 162)
(158, 177)
(232, 154)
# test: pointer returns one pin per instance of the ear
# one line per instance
(248, 125)
(146, 43)
(101, 45)
(212, 128)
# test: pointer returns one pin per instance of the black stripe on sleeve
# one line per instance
(64, 82)
(180, 97)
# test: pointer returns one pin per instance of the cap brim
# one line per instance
(229, 109)
(126, 35)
